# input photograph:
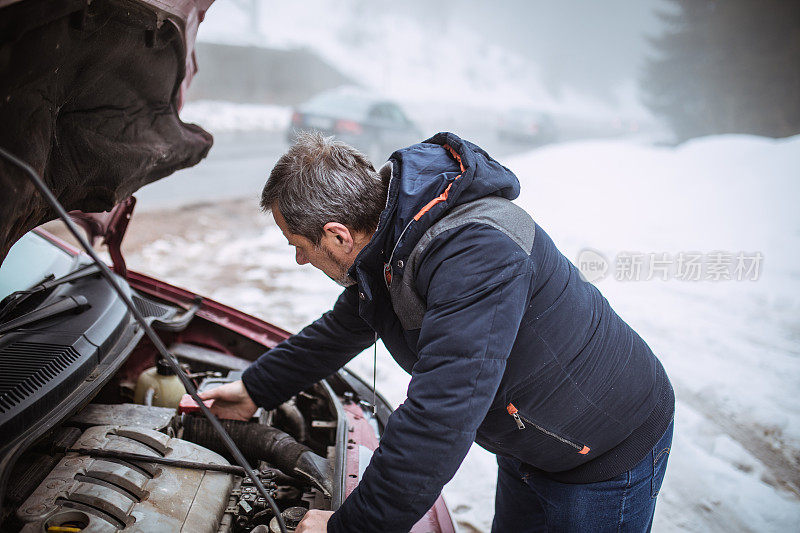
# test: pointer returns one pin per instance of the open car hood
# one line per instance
(89, 97)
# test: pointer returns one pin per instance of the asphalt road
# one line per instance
(237, 167)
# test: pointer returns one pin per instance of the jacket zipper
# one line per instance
(582, 448)
(388, 265)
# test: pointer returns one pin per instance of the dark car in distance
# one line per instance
(374, 125)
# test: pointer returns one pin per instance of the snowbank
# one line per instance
(219, 116)
(730, 347)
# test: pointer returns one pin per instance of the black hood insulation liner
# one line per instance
(89, 97)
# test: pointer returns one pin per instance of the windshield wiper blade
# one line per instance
(65, 305)
(11, 301)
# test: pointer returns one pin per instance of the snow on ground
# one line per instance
(731, 347)
(220, 116)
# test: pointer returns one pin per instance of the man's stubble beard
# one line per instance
(343, 279)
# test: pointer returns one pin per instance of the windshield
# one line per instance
(29, 261)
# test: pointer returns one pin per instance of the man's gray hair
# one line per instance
(320, 180)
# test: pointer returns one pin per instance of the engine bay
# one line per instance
(91, 483)
(139, 457)
(94, 485)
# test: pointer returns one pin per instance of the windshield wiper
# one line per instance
(11, 301)
(65, 305)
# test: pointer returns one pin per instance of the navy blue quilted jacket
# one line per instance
(506, 345)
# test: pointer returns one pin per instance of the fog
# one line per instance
(591, 46)
(451, 65)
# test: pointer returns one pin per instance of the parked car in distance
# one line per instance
(374, 125)
(526, 126)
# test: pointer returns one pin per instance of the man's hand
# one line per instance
(231, 401)
(314, 522)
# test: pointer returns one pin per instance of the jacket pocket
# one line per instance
(520, 420)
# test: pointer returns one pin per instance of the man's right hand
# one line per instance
(231, 401)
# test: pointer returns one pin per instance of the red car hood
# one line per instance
(89, 97)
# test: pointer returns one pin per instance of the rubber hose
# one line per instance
(295, 421)
(260, 442)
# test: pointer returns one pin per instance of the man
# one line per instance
(505, 344)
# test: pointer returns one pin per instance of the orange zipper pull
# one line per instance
(513, 412)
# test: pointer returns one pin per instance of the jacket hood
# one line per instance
(423, 172)
(428, 179)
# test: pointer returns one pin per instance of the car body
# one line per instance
(78, 377)
(376, 126)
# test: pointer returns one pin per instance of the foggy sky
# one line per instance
(589, 44)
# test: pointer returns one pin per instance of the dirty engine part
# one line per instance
(265, 443)
(114, 495)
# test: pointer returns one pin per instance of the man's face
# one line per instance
(327, 257)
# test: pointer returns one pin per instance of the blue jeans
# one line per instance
(527, 502)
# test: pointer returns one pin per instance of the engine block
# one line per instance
(100, 495)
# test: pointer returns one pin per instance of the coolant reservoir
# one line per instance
(159, 386)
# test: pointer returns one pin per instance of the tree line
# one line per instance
(726, 66)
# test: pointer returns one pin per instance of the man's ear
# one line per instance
(338, 235)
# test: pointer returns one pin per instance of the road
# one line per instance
(237, 167)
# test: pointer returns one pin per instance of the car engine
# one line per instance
(97, 494)
(103, 479)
